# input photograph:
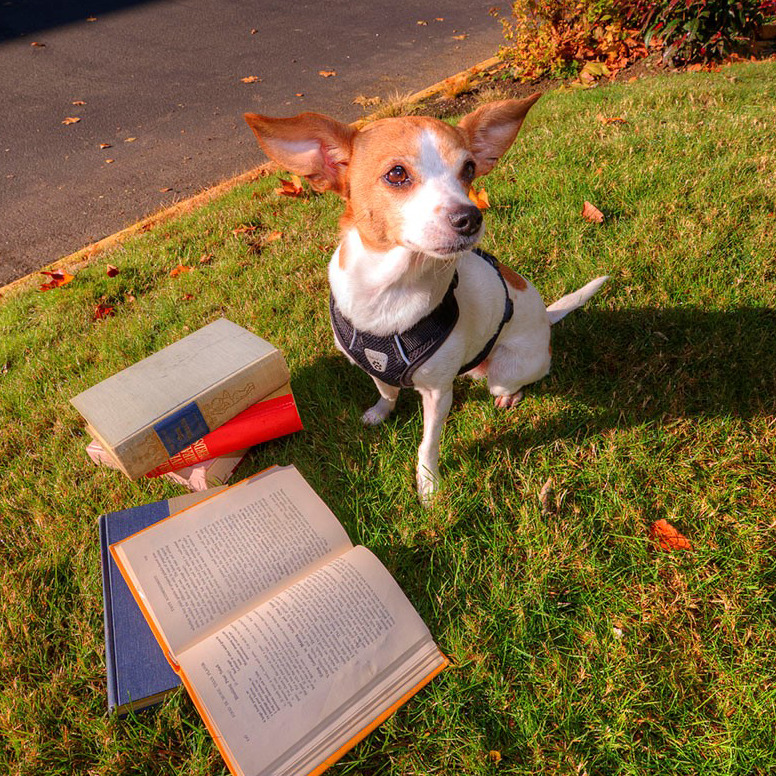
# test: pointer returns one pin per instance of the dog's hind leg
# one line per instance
(387, 401)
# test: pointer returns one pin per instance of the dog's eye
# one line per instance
(467, 173)
(397, 176)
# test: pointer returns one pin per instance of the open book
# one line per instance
(292, 643)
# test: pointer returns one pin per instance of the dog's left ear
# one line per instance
(310, 144)
(492, 128)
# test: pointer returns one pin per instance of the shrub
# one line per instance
(698, 30)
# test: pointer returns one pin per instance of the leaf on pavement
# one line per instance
(103, 146)
(57, 279)
(251, 79)
(668, 537)
(327, 73)
(71, 120)
(460, 37)
(592, 213)
(366, 102)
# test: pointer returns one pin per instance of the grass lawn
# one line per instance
(578, 646)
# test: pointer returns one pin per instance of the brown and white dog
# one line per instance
(408, 232)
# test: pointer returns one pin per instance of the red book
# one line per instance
(265, 420)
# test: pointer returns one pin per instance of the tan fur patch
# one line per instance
(516, 281)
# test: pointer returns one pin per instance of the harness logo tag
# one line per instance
(379, 361)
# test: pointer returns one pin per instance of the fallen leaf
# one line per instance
(494, 756)
(91, 18)
(165, 189)
(71, 120)
(422, 24)
(103, 146)
(109, 161)
(292, 188)
(130, 139)
(667, 536)
(187, 297)
(38, 45)
(78, 102)
(456, 85)
(102, 311)
(480, 198)
(272, 236)
(111, 271)
(612, 120)
(244, 229)
(546, 496)
(251, 79)
(254, 31)
(592, 213)
(130, 298)
(439, 19)
(460, 37)
(299, 94)
(57, 279)
(327, 73)
(206, 258)
(179, 270)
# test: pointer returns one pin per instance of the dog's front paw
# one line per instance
(505, 402)
(375, 415)
(428, 485)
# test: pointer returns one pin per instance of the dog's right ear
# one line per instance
(311, 145)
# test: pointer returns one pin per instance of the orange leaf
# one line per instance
(103, 146)
(460, 37)
(38, 44)
(327, 73)
(592, 213)
(57, 279)
(71, 120)
(187, 297)
(179, 270)
(480, 198)
(102, 311)
(78, 102)
(111, 271)
(272, 236)
(251, 79)
(612, 120)
(244, 229)
(292, 188)
(668, 537)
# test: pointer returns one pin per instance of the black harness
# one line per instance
(394, 358)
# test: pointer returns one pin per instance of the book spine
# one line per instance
(152, 446)
(107, 598)
(263, 421)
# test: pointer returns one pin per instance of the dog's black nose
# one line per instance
(466, 221)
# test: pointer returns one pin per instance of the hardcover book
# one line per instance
(292, 643)
(155, 408)
(138, 673)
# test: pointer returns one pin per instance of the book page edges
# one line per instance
(361, 735)
(234, 766)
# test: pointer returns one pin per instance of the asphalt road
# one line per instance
(160, 83)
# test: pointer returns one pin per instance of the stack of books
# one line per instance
(191, 410)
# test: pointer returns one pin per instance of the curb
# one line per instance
(84, 257)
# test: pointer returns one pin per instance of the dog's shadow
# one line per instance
(636, 366)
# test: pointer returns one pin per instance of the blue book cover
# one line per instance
(138, 672)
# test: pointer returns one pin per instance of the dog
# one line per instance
(413, 302)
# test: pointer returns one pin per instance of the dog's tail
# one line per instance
(566, 304)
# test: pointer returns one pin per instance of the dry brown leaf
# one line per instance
(179, 270)
(165, 189)
(291, 188)
(130, 139)
(71, 120)
(251, 79)
(109, 161)
(546, 497)
(103, 146)
(480, 198)
(254, 31)
(206, 258)
(460, 37)
(422, 23)
(91, 18)
(244, 229)
(111, 271)
(78, 102)
(299, 94)
(102, 311)
(57, 279)
(439, 19)
(272, 236)
(366, 102)
(187, 297)
(494, 756)
(327, 73)
(592, 213)
(36, 44)
(668, 537)
(612, 119)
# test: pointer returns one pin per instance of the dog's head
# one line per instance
(405, 180)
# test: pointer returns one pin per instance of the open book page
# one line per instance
(202, 567)
(296, 680)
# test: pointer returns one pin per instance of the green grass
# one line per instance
(661, 404)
